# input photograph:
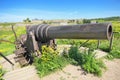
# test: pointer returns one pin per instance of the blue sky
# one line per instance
(17, 10)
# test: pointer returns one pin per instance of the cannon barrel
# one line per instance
(44, 32)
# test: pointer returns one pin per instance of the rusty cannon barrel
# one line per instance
(44, 32)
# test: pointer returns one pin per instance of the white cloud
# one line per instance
(11, 18)
(20, 14)
(15, 15)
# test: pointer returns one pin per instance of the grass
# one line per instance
(6, 24)
(7, 48)
(1, 73)
(115, 52)
(116, 26)
(6, 34)
(104, 45)
(87, 61)
(49, 62)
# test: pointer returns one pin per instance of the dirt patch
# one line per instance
(72, 72)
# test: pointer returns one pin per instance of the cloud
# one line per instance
(18, 15)
(11, 18)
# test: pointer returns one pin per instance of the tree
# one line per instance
(86, 21)
(78, 22)
(44, 22)
(27, 20)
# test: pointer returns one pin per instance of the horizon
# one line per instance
(62, 19)
(18, 10)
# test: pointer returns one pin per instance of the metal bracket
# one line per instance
(6, 59)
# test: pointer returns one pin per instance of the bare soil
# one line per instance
(72, 72)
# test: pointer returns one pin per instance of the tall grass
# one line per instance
(87, 61)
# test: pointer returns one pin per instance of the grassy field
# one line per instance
(6, 33)
(50, 61)
(116, 26)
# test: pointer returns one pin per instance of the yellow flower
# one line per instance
(0, 67)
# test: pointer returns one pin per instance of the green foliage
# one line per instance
(1, 72)
(116, 26)
(115, 18)
(87, 61)
(6, 48)
(7, 34)
(92, 44)
(115, 52)
(49, 62)
(27, 20)
(71, 21)
(6, 24)
(86, 21)
(78, 42)
(69, 41)
(104, 45)
(44, 22)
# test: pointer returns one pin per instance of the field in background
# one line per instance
(7, 34)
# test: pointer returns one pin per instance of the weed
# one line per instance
(87, 61)
(49, 62)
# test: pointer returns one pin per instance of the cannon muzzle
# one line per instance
(44, 32)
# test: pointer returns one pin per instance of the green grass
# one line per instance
(116, 26)
(2, 72)
(104, 45)
(6, 34)
(115, 52)
(6, 24)
(87, 61)
(49, 62)
(7, 48)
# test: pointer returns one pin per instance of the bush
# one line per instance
(87, 61)
(49, 62)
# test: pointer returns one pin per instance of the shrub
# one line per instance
(87, 61)
(49, 62)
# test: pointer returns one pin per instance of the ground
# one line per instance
(70, 72)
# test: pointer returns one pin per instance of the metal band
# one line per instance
(37, 31)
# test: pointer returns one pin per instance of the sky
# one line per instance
(18, 10)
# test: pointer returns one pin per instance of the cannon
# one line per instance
(43, 34)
